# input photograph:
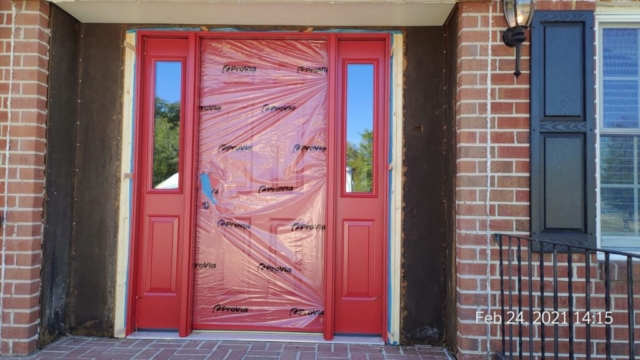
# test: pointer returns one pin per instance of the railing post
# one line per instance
(607, 301)
(542, 334)
(530, 301)
(519, 249)
(510, 300)
(499, 240)
(588, 300)
(570, 275)
(632, 335)
(555, 300)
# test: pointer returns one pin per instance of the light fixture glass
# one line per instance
(509, 12)
(518, 14)
(524, 12)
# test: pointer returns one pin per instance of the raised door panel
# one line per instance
(161, 255)
(359, 259)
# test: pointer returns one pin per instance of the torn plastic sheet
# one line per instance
(263, 167)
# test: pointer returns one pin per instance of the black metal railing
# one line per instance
(565, 301)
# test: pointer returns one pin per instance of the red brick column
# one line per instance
(24, 32)
(492, 185)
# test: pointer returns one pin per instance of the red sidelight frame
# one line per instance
(381, 94)
(189, 152)
(187, 179)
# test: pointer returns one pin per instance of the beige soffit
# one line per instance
(342, 13)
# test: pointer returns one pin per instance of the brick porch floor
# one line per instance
(101, 348)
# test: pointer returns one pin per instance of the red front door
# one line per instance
(256, 259)
(362, 188)
(262, 170)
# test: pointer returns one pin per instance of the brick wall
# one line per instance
(492, 187)
(23, 116)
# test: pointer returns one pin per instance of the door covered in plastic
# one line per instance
(262, 185)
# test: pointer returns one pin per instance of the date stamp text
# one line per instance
(544, 317)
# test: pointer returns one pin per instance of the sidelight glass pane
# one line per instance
(166, 124)
(359, 104)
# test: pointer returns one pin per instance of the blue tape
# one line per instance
(206, 188)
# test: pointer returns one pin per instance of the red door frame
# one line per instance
(380, 140)
(192, 85)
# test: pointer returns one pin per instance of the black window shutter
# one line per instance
(563, 192)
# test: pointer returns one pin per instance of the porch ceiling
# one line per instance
(262, 12)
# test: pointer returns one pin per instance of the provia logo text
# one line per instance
(316, 148)
(222, 308)
(223, 223)
(298, 226)
(269, 107)
(314, 70)
(263, 189)
(303, 312)
(225, 148)
(268, 267)
(239, 68)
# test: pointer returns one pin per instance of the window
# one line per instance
(359, 124)
(166, 127)
(619, 143)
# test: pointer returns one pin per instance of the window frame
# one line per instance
(610, 18)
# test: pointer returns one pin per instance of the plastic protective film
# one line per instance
(262, 168)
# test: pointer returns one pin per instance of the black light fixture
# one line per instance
(519, 14)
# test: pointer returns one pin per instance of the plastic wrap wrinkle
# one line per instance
(263, 169)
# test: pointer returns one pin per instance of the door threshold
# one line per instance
(258, 336)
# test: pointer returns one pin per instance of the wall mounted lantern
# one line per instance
(519, 14)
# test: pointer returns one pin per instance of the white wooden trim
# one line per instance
(124, 212)
(396, 191)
